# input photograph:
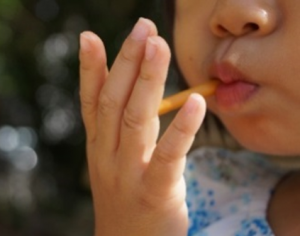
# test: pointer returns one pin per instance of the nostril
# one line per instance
(250, 27)
(222, 30)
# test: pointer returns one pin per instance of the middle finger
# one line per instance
(140, 121)
(118, 87)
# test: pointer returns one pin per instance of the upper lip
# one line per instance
(227, 73)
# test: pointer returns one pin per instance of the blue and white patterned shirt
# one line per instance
(228, 193)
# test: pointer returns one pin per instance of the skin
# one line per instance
(260, 39)
(136, 180)
(137, 183)
(283, 211)
(263, 47)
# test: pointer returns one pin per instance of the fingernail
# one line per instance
(151, 48)
(192, 104)
(84, 42)
(141, 30)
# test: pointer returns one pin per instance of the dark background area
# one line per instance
(43, 186)
(43, 178)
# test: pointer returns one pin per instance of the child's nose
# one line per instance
(240, 17)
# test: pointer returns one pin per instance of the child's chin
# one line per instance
(271, 148)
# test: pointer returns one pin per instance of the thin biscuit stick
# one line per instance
(176, 101)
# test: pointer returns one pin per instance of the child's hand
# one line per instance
(137, 184)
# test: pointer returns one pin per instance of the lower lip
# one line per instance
(236, 93)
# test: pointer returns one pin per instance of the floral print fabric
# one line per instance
(228, 193)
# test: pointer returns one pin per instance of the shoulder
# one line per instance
(235, 168)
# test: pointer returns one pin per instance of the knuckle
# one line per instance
(182, 129)
(84, 67)
(84, 63)
(107, 104)
(88, 106)
(86, 100)
(147, 202)
(127, 55)
(149, 198)
(145, 76)
(162, 153)
(132, 120)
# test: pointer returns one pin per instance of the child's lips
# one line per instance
(234, 88)
(236, 93)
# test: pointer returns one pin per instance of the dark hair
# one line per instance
(169, 14)
(168, 7)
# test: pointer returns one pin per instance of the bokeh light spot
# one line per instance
(58, 124)
(24, 158)
(9, 139)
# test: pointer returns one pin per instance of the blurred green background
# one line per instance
(43, 189)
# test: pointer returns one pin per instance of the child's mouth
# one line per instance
(236, 93)
(234, 88)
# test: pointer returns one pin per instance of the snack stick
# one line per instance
(176, 101)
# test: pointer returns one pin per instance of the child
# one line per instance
(137, 181)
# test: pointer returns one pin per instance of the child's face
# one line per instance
(254, 48)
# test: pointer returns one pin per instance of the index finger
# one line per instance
(168, 160)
